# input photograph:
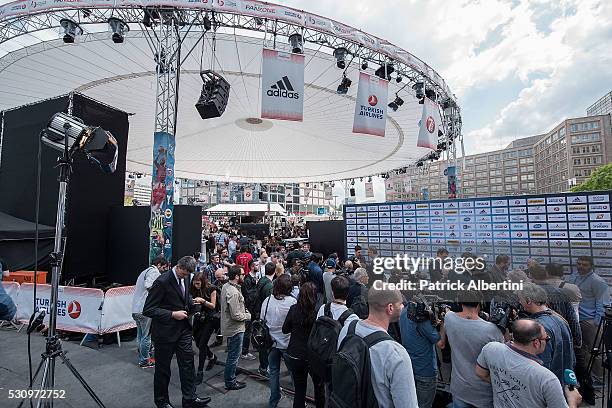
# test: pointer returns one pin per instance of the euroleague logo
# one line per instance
(372, 100)
(74, 309)
(430, 124)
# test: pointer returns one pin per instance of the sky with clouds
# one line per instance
(518, 67)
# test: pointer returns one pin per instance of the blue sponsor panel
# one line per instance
(547, 227)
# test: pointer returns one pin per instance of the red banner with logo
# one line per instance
(371, 105)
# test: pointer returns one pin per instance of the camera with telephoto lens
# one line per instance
(503, 314)
(427, 307)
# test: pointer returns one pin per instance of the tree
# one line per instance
(600, 179)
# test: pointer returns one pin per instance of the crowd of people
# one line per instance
(321, 318)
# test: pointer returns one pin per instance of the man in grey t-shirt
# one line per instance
(468, 334)
(517, 376)
(391, 368)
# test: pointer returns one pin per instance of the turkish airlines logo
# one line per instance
(74, 309)
(372, 100)
(430, 124)
(283, 89)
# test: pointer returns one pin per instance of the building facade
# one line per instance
(548, 163)
(602, 106)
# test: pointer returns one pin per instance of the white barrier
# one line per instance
(117, 310)
(12, 289)
(78, 309)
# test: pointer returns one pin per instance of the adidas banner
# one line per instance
(282, 85)
(371, 105)
(429, 125)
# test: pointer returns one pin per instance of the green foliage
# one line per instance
(600, 179)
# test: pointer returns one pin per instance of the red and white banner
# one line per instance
(117, 310)
(225, 194)
(390, 186)
(371, 105)
(429, 125)
(11, 289)
(369, 190)
(282, 85)
(328, 193)
(78, 309)
(248, 194)
(408, 185)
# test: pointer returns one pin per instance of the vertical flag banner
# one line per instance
(407, 185)
(128, 198)
(429, 125)
(369, 190)
(371, 105)
(282, 85)
(288, 196)
(307, 190)
(390, 186)
(162, 196)
(225, 194)
(328, 193)
(451, 173)
(425, 194)
(248, 194)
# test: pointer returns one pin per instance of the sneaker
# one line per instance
(248, 356)
(263, 373)
(146, 365)
(151, 360)
(236, 386)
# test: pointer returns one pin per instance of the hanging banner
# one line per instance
(451, 174)
(407, 185)
(369, 190)
(429, 125)
(288, 196)
(371, 105)
(248, 194)
(425, 193)
(162, 196)
(282, 85)
(307, 190)
(389, 186)
(203, 198)
(225, 194)
(128, 197)
(328, 193)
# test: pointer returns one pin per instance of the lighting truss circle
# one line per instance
(233, 147)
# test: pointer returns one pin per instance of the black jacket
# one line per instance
(164, 298)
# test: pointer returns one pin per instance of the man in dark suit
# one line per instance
(168, 304)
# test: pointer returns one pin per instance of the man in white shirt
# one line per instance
(143, 324)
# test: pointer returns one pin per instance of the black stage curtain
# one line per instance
(326, 237)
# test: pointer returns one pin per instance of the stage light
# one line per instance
(364, 65)
(419, 89)
(214, 97)
(340, 55)
(207, 23)
(71, 30)
(99, 146)
(419, 164)
(258, 21)
(86, 13)
(370, 179)
(333, 184)
(361, 179)
(399, 78)
(150, 15)
(431, 94)
(119, 28)
(353, 182)
(380, 72)
(297, 43)
(397, 102)
(344, 86)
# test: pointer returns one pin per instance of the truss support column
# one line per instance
(165, 43)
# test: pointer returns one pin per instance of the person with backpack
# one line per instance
(276, 308)
(371, 369)
(330, 319)
(357, 298)
(298, 324)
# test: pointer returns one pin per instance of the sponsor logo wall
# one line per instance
(551, 228)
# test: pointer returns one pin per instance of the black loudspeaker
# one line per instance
(352, 192)
(214, 97)
(128, 239)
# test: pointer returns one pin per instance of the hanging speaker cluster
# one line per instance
(214, 97)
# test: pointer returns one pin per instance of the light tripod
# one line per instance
(100, 147)
(602, 347)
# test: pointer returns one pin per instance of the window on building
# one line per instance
(494, 157)
(480, 160)
(526, 160)
(596, 148)
(481, 167)
(510, 155)
(512, 170)
(525, 169)
(510, 163)
(562, 132)
(526, 177)
(509, 179)
(581, 127)
(495, 165)
(577, 162)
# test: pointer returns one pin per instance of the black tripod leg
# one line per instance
(81, 380)
(42, 361)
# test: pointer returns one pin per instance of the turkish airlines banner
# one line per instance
(328, 193)
(225, 194)
(248, 194)
(78, 309)
(282, 85)
(117, 310)
(371, 105)
(429, 125)
(369, 190)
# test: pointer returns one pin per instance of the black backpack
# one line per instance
(260, 332)
(323, 341)
(351, 371)
(360, 307)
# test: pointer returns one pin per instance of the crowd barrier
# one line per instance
(81, 310)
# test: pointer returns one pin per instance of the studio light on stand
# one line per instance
(72, 137)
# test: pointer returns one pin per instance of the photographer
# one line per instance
(558, 354)
(467, 333)
(315, 273)
(419, 338)
(515, 374)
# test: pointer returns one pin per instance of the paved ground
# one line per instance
(116, 378)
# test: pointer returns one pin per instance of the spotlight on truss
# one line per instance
(397, 102)
(380, 72)
(71, 30)
(119, 28)
(297, 43)
(344, 86)
(340, 55)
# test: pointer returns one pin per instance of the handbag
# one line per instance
(260, 333)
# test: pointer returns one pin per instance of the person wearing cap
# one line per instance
(328, 275)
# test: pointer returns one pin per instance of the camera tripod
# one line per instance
(602, 346)
(53, 348)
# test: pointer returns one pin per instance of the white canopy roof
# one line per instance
(321, 148)
(243, 209)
